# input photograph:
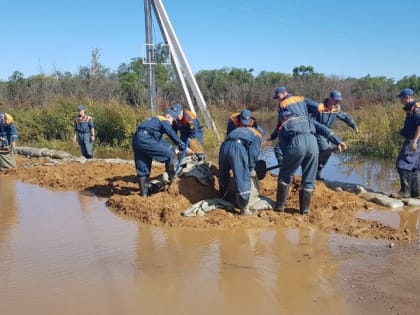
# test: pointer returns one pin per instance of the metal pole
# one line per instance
(149, 56)
(186, 70)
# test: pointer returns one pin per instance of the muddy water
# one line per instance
(66, 253)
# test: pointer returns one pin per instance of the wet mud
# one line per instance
(331, 211)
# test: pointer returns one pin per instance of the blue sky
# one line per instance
(347, 38)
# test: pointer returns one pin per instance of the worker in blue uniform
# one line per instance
(148, 145)
(328, 113)
(8, 137)
(8, 131)
(296, 132)
(279, 94)
(188, 125)
(238, 153)
(408, 159)
(235, 121)
(84, 132)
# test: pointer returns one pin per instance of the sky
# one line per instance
(346, 38)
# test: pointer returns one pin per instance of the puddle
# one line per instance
(66, 253)
(402, 218)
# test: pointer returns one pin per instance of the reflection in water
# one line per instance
(8, 213)
(236, 272)
(71, 255)
(377, 175)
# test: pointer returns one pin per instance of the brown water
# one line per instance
(66, 253)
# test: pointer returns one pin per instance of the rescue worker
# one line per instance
(238, 153)
(84, 132)
(148, 145)
(298, 145)
(279, 94)
(8, 137)
(327, 114)
(8, 131)
(188, 125)
(408, 159)
(235, 121)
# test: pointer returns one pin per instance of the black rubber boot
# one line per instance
(282, 192)
(304, 200)
(405, 184)
(322, 161)
(414, 184)
(222, 191)
(243, 206)
(318, 173)
(144, 186)
(170, 170)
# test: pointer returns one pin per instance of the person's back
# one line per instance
(239, 153)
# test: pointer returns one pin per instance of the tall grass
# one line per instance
(52, 126)
(379, 127)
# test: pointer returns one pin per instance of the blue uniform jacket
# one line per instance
(189, 127)
(251, 138)
(157, 126)
(406, 159)
(293, 116)
(7, 129)
(328, 116)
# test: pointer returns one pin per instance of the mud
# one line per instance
(331, 211)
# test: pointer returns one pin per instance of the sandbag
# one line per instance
(7, 160)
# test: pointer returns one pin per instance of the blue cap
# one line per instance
(336, 95)
(171, 113)
(406, 92)
(81, 107)
(245, 117)
(280, 89)
(177, 108)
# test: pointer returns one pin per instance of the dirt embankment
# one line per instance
(330, 210)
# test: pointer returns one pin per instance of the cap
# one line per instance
(280, 89)
(81, 107)
(336, 95)
(406, 92)
(171, 113)
(245, 117)
(177, 108)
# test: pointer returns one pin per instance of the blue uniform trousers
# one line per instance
(146, 149)
(234, 156)
(86, 145)
(408, 160)
(301, 150)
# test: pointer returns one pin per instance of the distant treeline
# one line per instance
(44, 105)
(230, 88)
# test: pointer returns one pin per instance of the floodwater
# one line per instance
(66, 253)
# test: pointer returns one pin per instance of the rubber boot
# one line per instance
(318, 173)
(222, 191)
(282, 192)
(170, 170)
(144, 186)
(243, 206)
(405, 184)
(304, 200)
(414, 184)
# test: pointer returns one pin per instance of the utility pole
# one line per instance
(150, 56)
(178, 59)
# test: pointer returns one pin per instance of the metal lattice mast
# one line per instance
(150, 56)
(181, 65)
